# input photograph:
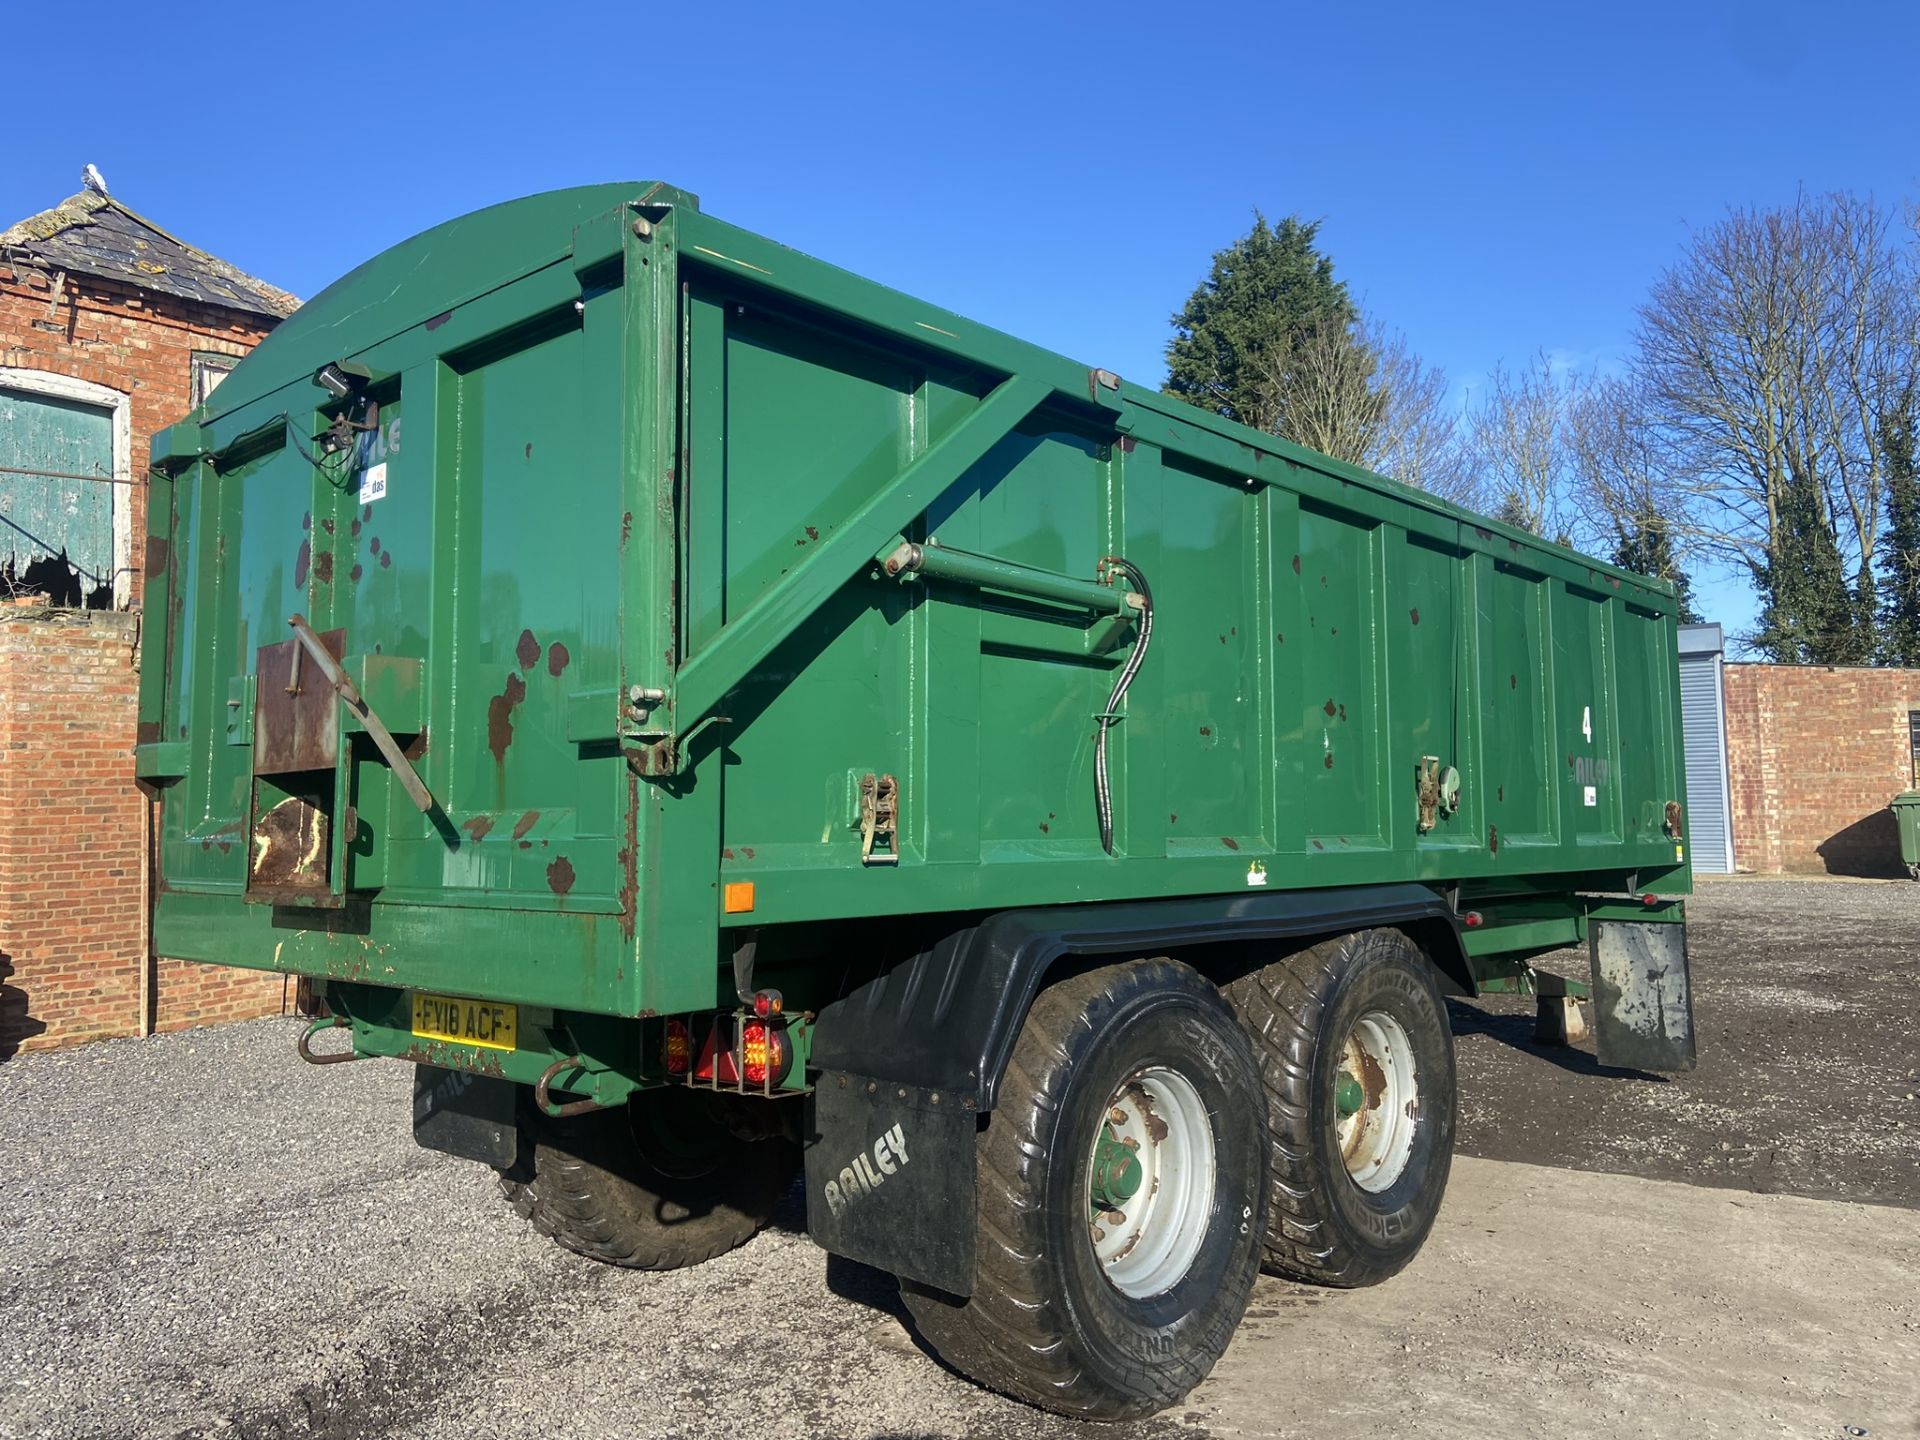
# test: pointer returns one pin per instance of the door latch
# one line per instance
(1437, 791)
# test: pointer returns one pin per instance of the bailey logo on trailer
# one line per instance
(868, 1170)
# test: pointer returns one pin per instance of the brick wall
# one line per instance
(73, 919)
(133, 341)
(1814, 753)
(73, 844)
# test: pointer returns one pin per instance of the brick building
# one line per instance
(1814, 753)
(110, 328)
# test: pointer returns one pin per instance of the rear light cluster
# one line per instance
(761, 1058)
(676, 1048)
(764, 1054)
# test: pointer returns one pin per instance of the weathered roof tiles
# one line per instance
(93, 234)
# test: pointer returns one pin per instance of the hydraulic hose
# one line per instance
(1102, 791)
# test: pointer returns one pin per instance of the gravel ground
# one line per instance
(1806, 1002)
(205, 1237)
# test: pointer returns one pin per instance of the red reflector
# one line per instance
(676, 1048)
(1649, 899)
(767, 1003)
(1471, 920)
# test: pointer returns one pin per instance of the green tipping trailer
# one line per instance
(718, 717)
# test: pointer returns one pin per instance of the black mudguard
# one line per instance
(1642, 995)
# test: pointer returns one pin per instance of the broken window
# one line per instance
(57, 497)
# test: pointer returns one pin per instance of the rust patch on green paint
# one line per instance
(457, 1057)
(525, 823)
(527, 652)
(500, 717)
(557, 658)
(477, 826)
(560, 875)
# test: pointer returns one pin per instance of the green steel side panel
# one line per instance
(797, 432)
(659, 457)
(1340, 576)
(1517, 680)
(1210, 712)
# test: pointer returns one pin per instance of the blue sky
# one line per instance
(1493, 180)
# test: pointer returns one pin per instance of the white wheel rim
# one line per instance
(1147, 1243)
(1376, 1139)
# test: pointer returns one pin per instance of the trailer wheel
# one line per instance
(1121, 1199)
(653, 1185)
(1358, 1058)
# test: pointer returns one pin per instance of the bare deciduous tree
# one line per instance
(1360, 393)
(1768, 357)
(1518, 446)
(1621, 468)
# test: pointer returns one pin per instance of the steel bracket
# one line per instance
(879, 816)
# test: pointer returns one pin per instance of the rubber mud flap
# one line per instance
(1642, 999)
(460, 1113)
(890, 1178)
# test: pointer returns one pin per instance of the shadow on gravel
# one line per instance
(1516, 1031)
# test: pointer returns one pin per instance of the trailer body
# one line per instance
(609, 657)
(705, 613)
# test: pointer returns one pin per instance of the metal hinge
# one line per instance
(879, 814)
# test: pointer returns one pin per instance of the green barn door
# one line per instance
(56, 525)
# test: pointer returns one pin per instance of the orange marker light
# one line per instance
(738, 897)
(677, 1047)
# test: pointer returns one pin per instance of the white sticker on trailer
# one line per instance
(373, 483)
(1593, 795)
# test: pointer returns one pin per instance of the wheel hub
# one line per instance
(1150, 1177)
(1117, 1172)
(1376, 1101)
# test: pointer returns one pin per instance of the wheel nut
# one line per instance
(1117, 1115)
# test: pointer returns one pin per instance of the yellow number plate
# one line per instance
(486, 1023)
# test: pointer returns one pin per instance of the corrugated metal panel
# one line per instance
(53, 514)
(1704, 720)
